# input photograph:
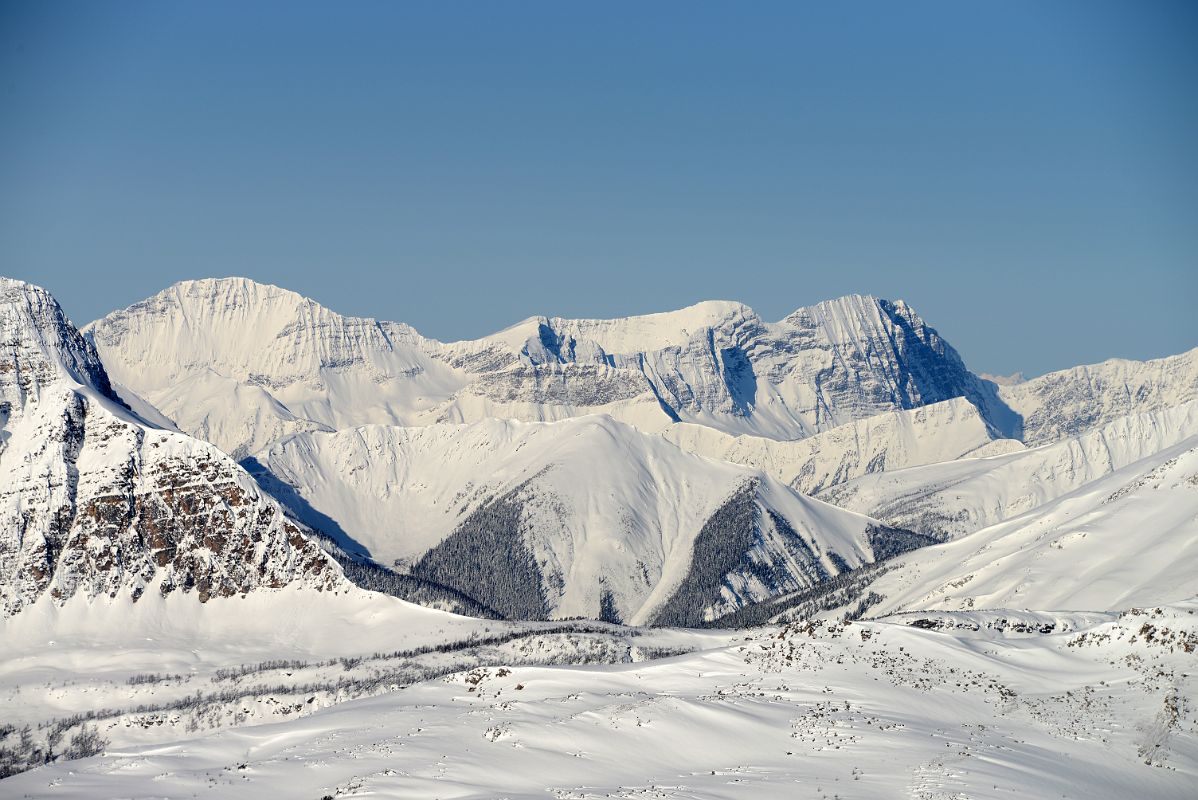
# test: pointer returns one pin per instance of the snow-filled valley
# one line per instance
(250, 547)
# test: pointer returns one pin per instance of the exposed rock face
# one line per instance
(94, 501)
(1066, 403)
(38, 348)
(721, 365)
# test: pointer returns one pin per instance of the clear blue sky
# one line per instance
(1024, 173)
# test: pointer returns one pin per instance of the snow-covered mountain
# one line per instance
(583, 517)
(645, 470)
(40, 350)
(242, 364)
(930, 434)
(1072, 401)
(954, 498)
(850, 390)
(718, 364)
(96, 501)
(1127, 539)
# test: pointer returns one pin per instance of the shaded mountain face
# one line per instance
(720, 365)
(94, 501)
(243, 364)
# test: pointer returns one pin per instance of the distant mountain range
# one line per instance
(243, 364)
(225, 437)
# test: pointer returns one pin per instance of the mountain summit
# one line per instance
(39, 347)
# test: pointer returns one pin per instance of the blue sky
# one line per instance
(1024, 173)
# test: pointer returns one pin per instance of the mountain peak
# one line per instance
(267, 362)
(241, 327)
(848, 306)
(102, 504)
(225, 293)
(39, 345)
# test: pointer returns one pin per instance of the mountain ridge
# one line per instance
(244, 364)
(955, 498)
(1067, 402)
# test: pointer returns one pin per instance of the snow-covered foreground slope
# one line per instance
(1072, 401)
(584, 517)
(122, 672)
(1130, 538)
(892, 440)
(243, 364)
(868, 710)
(954, 498)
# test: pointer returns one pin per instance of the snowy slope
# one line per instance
(892, 440)
(1072, 401)
(596, 508)
(869, 710)
(958, 497)
(243, 364)
(1130, 538)
(162, 668)
(95, 501)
